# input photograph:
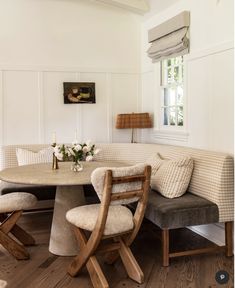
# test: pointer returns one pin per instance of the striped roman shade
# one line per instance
(169, 39)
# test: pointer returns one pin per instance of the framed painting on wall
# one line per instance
(79, 92)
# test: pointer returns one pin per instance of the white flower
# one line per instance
(96, 151)
(85, 149)
(56, 149)
(89, 158)
(59, 155)
(77, 147)
(71, 152)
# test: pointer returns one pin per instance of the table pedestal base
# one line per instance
(62, 239)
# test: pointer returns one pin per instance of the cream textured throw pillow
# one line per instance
(26, 157)
(171, 177)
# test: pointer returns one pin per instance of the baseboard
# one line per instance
(212, 232)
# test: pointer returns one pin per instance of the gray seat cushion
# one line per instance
(187, 210)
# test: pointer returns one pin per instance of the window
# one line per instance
(172, 93)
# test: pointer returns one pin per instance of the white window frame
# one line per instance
(162, 133)
(173, 85)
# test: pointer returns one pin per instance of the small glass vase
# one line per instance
(76, 166)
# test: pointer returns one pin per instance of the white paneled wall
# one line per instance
(210, 97)
(46, 43)
(208, 77)
(32, 106)
(127, 99)
(20, 113)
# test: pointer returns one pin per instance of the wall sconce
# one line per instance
(132, 121)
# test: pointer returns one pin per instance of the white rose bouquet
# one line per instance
(76, 152)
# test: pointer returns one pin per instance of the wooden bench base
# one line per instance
(227, 248)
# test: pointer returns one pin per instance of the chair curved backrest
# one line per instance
(124, 179)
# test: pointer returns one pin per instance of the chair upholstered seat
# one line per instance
(16, 201)
(119, 220)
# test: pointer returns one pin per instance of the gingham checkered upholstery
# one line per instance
(8, 157)
(212, 176)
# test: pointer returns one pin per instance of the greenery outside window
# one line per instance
(172, 93)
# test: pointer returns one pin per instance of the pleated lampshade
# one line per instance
(133, 120)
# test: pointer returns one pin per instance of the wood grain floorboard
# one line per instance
(45, 270)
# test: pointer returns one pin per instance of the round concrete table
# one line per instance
(69, 194)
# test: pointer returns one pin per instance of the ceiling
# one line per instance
(140, 6)
(137, 6)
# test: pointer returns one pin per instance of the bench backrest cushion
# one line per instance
(8, 156)
(212, 177)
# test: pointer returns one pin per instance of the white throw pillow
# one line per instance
(26, 157)
(170, 177)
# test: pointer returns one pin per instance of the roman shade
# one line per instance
(169, 39)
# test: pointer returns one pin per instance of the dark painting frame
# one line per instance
(79, 92)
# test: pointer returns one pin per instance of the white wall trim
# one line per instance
(137, 6)
(79, 112)
(170, 135)
(219, 48)
(194, 55)
(149, 70)
(212, 232)
(4, 122)
(39, 68)
(109, 108)
(1, 107)
(41, 123)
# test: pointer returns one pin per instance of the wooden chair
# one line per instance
(111, 220)
(11, 208)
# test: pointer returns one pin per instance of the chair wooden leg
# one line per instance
(165, 247)
(14, 248)
(22, 235)
(229, 238)
(81, 259)
(10, 221)
(132, 267)
(97, 277)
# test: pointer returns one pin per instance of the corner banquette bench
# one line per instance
(209, 197)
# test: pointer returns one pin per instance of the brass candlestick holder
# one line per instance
(55, 165)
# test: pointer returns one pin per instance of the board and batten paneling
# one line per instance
(223, 101)
(32, 106)
(96, 117)
(210, 101)
(124, 95)
(58, 117)
(20, 113)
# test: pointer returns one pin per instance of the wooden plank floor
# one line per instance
(45, 270)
